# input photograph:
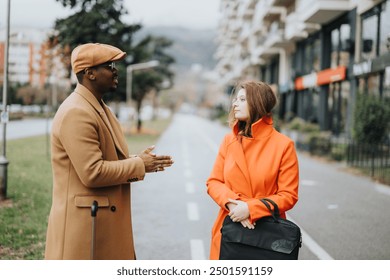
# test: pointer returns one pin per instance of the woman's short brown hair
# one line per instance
(261, 100)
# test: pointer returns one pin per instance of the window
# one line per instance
(376, 31)
(334, 56)
(384, 46)
(369, 37)
(317, 55)
(311, 55)
(308, 65)
(346, 44)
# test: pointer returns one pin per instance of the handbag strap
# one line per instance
(274, 212)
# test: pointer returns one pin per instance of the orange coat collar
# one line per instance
(260, 129)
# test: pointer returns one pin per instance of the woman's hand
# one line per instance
(246, 223)
(233, 205)
(239, 211)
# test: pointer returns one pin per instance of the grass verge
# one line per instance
(23, 216)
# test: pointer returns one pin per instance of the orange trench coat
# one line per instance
(248, 170)
(90, 162)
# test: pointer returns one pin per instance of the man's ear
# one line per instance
(89, 74)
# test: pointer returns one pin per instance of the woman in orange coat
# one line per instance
(254, 162)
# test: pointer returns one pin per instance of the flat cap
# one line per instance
(92, 54)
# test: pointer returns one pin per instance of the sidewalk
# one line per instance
(27, 127)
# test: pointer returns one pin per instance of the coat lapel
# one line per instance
(262, 128)
(106, 116)
(115, 131)
(241, 161)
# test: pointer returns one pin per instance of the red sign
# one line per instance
(332, 75)
(323, 77)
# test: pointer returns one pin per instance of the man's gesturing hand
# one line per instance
(153, 162)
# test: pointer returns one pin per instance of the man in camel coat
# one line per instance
(91, 162)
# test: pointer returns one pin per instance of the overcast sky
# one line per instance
(198, 14)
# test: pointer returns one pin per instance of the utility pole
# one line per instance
(4, 113)
(129, 80)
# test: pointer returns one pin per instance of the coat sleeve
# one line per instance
(287, 186)
(79, 132)
(216, 187)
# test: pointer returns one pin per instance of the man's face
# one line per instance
(107, 76)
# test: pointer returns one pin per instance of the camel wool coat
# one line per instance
(90, 162)
(249, 169)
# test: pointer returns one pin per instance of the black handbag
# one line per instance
(273, 238)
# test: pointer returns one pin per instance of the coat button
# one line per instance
(113, 208)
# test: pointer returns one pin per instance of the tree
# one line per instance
(32, 95)
(95, 21)
(101, 21)
(151, 48)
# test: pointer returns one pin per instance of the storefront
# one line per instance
(308, 87)
(373, 76)
(322, 82)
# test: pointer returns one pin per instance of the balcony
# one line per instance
(296, 29)
(261, 10)
(274, 38)
(270, 52)
(245, 34)
(275, 14)
(246, 10)
(282, 3)
(321, 11)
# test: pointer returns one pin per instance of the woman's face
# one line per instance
(240, 106)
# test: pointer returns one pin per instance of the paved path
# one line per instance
(343, 216)
(26, 128)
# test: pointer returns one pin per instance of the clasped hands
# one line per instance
(153, 162)
(239, 212)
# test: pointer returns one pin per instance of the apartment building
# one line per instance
(30, 62)
(316, 54)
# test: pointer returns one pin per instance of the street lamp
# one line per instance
(129, 74)
(4, 114)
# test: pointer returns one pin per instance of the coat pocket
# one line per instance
(87, 200)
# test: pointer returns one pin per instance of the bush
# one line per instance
(303, 126)
(372, 118)
(319, 143)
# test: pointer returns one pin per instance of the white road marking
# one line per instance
(190, 187)
(188, 173)
(332, 206)
(187, 163)
(313, 246)
(382, 189)
(185, 155)
(192, 211)
(197, 249)
(308, 183)
(185, 151)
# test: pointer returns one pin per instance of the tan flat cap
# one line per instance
(92, 54)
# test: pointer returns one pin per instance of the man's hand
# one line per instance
(153, 162)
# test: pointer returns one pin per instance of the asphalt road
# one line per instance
(26, 128)
(343, 216)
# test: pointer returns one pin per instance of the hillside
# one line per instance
(189, 47)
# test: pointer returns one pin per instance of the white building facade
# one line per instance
(316, 54)
(30, 60)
